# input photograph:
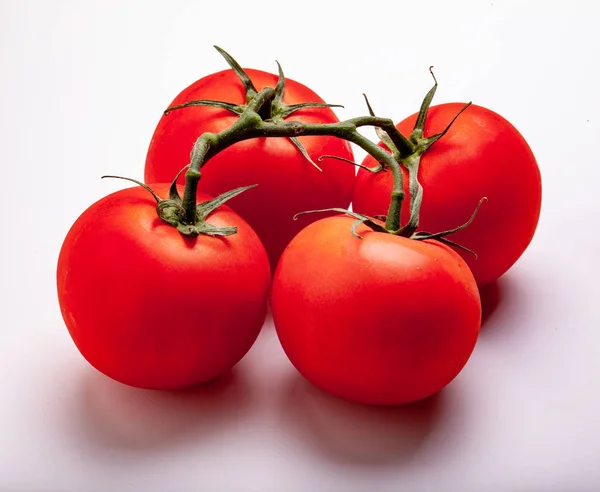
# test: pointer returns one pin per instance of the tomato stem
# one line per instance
(391, 136)
(411, 163)
(251, 125)
(263, 115)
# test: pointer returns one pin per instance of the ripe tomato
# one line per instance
(482, 155)
(384, 320)
(288, 183)
(151, 308)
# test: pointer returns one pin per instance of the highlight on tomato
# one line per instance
(287, 170)
(157, 302)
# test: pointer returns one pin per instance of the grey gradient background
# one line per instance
(82, 85)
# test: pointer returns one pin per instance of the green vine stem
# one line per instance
(263, 115)
(251, 125)
(409, 153)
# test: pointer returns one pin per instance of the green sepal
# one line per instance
(233, 108)
(426, 143)
(173, 192)
(280, 110)
(239, 71)
(360, 219)
(382, 134)
(211, 230)
(292, 108)
(203, 210)
(238, 109)
(441, 236)
(416, 136)
(417, 132)
(304, 152)
(374, 169)
(143, 185)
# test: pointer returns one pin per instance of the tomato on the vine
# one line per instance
(481, 155)
(288, 182)
(380, 320)
(152, 308)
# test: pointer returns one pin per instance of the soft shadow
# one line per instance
(116, 415)
(268, 324)
(492, 296)
(357, 434)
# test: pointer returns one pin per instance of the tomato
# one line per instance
(152, 308)
(288, 183)
(482, 155)
(384, 320)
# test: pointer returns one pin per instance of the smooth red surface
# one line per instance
(154, 309)
(288, 183)
(482, 155)
(384, 320)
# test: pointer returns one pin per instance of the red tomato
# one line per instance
(482, 155)
(384, 320)
(288, 183)
(151, 308)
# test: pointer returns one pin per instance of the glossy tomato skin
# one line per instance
(151, 308)
(288, 183)
(482, 155)
(384, 320)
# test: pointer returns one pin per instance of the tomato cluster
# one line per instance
(163, 286)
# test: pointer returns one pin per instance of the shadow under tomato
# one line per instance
(492, 296)
(357, 434)
(116, 415)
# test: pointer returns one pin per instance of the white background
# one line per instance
(82, 85)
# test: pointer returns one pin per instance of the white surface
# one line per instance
(82, 87)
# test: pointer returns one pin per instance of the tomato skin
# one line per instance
(288, 183)
(384, 320)
(482, 155)
(151, 308)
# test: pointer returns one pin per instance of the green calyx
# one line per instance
(408, 154)
(272, 109)
(171, 210)
(376, 224)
